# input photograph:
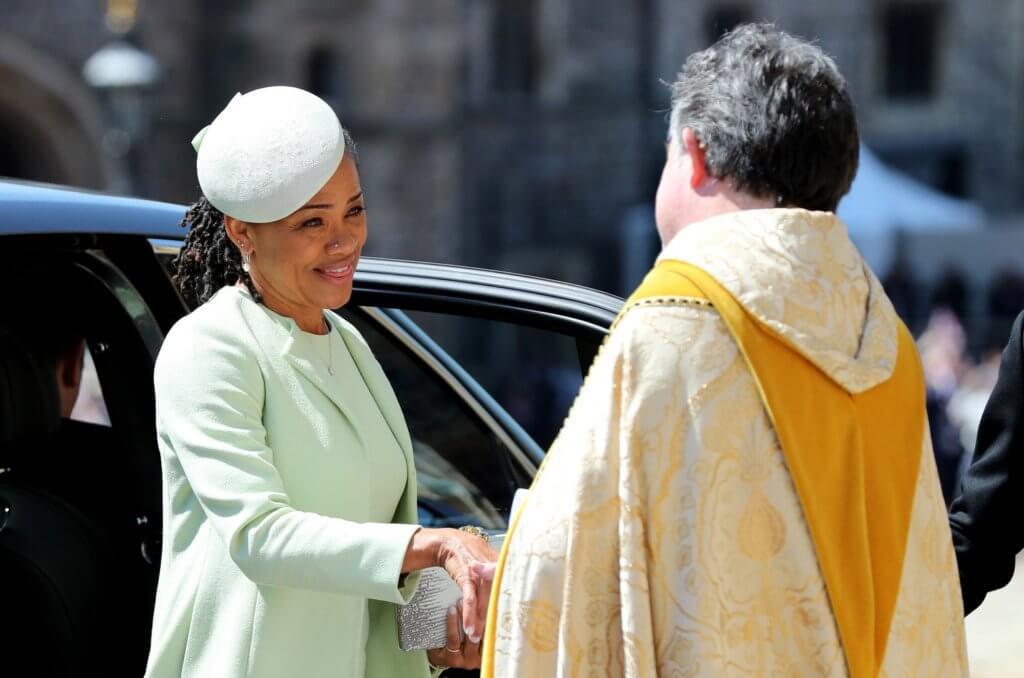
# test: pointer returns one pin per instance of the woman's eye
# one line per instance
(355, 211)
(312, 223)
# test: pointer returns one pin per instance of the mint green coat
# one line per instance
(261, 574)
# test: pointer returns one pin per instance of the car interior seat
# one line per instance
(52, 556)
(79, 503)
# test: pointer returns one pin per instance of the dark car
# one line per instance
(485, 365)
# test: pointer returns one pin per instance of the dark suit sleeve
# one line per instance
(986, 517)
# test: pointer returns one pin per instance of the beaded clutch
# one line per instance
(422, 622)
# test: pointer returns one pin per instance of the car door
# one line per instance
(486, 366)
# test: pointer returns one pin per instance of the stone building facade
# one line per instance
(507, 133)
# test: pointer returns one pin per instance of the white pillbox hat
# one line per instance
(268, 153)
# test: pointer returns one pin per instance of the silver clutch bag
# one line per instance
(422, 622)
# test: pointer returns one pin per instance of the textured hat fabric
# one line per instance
(268, 152)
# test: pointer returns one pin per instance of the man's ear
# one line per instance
(695, 154)
(70, 365)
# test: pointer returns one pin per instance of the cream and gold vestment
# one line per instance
(671, 533)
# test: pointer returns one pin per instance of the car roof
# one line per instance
(28, 208)
(34, 209)
(479, 283)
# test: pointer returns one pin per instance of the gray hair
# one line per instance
(774, 115)
(350, 145)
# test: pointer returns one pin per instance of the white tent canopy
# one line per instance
(883, 201)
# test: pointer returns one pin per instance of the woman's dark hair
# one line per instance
(775, 115)
(208, 260)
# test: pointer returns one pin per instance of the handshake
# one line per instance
(446, 614)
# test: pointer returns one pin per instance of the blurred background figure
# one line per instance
(942, 347)
(950, 293)
(902, 288)
(1003, 303)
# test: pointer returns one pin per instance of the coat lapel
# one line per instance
(378, 385)
(278, 335)
(380, 390)
(316, 373)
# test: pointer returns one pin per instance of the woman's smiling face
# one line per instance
(304, 263)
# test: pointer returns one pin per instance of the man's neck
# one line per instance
(721, 202)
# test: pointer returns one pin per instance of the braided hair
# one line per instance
(208, 259)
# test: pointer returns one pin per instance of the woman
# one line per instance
(289, 485)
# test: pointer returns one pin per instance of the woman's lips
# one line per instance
(336, 274)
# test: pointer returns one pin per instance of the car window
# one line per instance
(90, 406)
(533, 373)
(466, 473)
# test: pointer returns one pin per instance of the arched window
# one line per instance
(721, 20)
(911, 33)
(324, 75)
(516, 53)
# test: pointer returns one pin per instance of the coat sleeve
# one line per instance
(986, 533)
(209, 393)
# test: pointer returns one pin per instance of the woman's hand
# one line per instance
(468, 560)
(459, 652)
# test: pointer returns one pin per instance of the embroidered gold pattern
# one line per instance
(663, 535)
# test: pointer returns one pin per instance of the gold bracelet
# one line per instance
(474, 530)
